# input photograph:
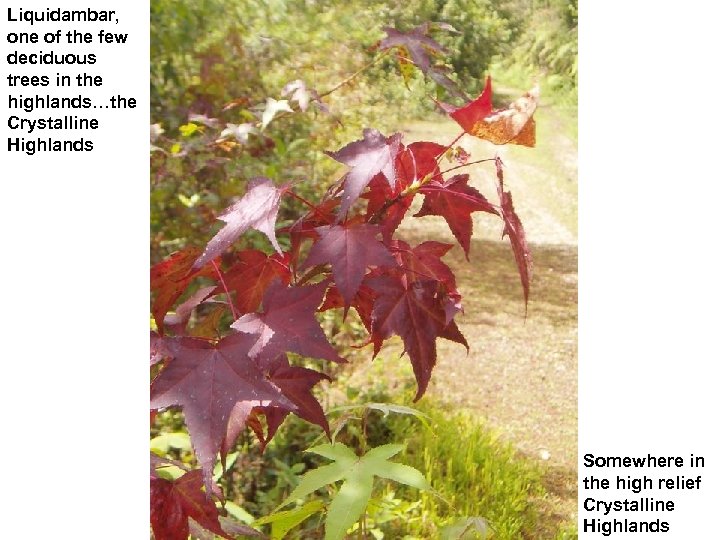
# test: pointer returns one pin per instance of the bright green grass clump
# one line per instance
(473, 472)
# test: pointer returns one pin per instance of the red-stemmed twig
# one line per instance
(447, 147)
(227, 292)
(464, 165)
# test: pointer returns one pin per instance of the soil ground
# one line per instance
(521, 373)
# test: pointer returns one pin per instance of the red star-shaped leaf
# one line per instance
(296, 384)
(207, 381)
(378, 194)
(257, 210)
(251, 275)
(173, 502)
(413, 311)
(419, 45)
(473, 112)
(170, 278)
(417, 42)
(363, 303)
(412, 164)
(371, 155)
(515, 231)
(455, 201)
(304, 228)
(288, 323)
(419, 160)
(350, 250)
(424, 261)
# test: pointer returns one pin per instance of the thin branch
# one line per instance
(464, 165)
(377, 216)
(351, 77)
(459, 195)
(455, 140)
(304, 201)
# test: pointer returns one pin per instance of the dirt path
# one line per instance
(520, 375)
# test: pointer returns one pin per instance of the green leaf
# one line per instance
(239, 513)
(386, 409)
(337, 452)
(382, 453)
(280, 146)
(229, 462)
(170, 472)
(162, 444)
(357, 474)
(348, 505)
(282, 522)
(465, 529)
(313, 480)
(296, 143)
(189, 201)
(402, 474)
(407, 71)
(187, 130)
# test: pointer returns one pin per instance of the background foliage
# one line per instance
(208, 53)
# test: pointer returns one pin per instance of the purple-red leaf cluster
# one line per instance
(208, 381)
(455, 200)
(230, 321)
(349, 250)
(373, 154)
(288, 323)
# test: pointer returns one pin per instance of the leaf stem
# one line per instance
(303, 200)
(465, 165)
(455, 140)
(227, 292)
